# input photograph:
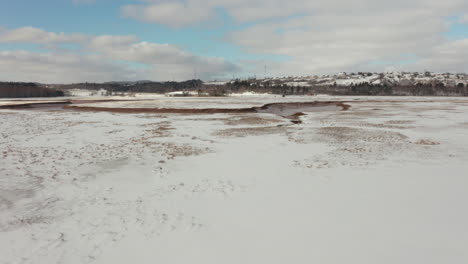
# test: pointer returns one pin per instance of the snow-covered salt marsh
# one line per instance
(244, 101)
(204, 102)
(384, 182)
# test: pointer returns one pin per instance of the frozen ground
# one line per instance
(384, 182)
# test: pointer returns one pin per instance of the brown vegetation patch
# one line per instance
(359, 113)
(350, 146)
(346, 134)
(251, 131)
(160, 129)
(383, 125)
(430, 108)
(23, 221)
(399, 122)
(315, 164)
(464, 124)
(114, 131)
(355, 149)
(77, 123)
(337, 135)
(250, 120)
(173, 150)
(427, 142)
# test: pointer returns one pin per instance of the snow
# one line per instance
(216, 83)
(250, 94)
(182, 93)
(86, 93)
(298, 83)
(358, 186)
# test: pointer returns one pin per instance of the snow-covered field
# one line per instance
(384, 182)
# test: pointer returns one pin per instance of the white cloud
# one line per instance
(448, 57)
(36, 35)
(325, 36)
(170, 13)
(101, 58)
(60, 67)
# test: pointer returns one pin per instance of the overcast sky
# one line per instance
(63, 41)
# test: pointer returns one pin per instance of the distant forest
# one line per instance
(240, 86)
(24, 90)
(137, 87)
(364, 89)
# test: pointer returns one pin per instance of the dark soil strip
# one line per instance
(162, 110)
(85, 101)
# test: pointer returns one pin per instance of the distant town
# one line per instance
(371, 78)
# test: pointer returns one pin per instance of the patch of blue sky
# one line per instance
(457, 30)
(58, 15)
(206, 39)
(69, 46)
(104, 18)
(134, 65)
(40, 48)
(21, 46)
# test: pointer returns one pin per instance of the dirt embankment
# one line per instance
(161, 110)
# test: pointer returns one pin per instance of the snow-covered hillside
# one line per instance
(347, 79)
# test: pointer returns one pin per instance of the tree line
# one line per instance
(363, 89)
(138, 87)
(24, 90)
